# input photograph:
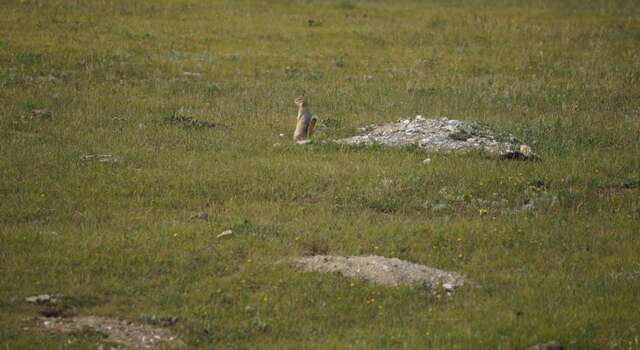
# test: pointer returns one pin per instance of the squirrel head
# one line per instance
(300, 102)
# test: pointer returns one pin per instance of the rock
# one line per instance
(536, 199)
(201, 216)
(528, 207)
(440, 135)
(439, 207)
(225, 234)
(427, 161)
(526, 150)
(381, 270)
(553, 345)
(45, 299)
(448, 287)
(102, 158)
(629, 184)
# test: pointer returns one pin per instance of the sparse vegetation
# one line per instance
(558, 261)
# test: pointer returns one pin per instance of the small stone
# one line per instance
(499, 203)
(528, 207)
(629, 184)
(44, 299)
(225, 234)
(526, 150)
(427, 161)
(102, 158)
(281, 135)
(201, 216)
(439, 207)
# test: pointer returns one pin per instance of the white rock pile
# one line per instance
(381, 270)
(440, 135)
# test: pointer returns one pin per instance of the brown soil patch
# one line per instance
(129, 334)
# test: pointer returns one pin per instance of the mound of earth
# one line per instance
(381, 270)
(439, 135)
(131, 335)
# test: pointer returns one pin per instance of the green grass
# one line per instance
(563, 76)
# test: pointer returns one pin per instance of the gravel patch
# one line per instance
(380, 270)
(128, 334)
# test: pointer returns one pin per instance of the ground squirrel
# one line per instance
(306, 123)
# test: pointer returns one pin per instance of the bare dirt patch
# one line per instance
(381, 270)
(129, 334)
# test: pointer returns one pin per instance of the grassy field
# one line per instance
(563, 76)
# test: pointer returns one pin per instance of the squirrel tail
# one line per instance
(312, 126)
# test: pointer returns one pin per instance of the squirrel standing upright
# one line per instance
(306, 123)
